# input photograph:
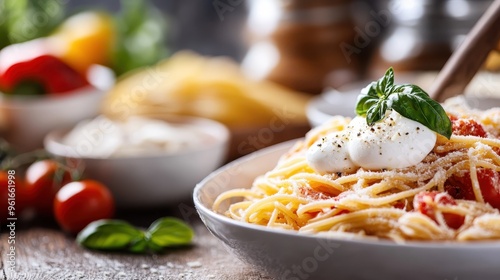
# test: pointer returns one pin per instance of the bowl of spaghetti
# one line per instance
(372, 197)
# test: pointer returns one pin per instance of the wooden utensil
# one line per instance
(469, 56)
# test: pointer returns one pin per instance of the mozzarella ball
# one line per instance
(394, 142)
(330, 154)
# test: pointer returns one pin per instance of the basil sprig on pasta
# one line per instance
(408, 100)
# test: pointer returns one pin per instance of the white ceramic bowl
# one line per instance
(289, 255)
(25, 120)
(158, 180)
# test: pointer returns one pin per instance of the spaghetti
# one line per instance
(444, 197)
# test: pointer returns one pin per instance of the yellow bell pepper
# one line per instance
(85, 39)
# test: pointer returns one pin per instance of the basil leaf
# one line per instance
(120, 235)
(166, 232)
(138, 245)
(408, 100)
(107, 235)
(153, 246)
(415, 104)
(377, 112)
(366, 99)
(384, 84)
(373, 93)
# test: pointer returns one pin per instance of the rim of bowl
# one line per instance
(204, 210)
(218, 131)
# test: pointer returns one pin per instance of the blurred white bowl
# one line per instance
(158, 180)
(25, 120)
(331, 103)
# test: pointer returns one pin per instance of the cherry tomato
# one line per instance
(460, 187)
(81, 202)
(43, 179)
(426, 203)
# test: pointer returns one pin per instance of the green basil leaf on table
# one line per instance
(108, 235)
(120, 235)
(153, 246)
(167, 232)
(139, 245)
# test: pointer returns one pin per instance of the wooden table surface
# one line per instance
(45, 252)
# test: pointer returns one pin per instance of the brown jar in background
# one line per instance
(423, 34)
(300, 46)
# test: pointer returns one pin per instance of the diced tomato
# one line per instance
(342, 212)
(460, 187)
(465, 127)
(454, 221)
(426, 203)
(400, 204)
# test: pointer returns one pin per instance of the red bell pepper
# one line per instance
(27, 68)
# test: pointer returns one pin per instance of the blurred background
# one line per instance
(330, 42)
(310, 45)
(235, 61)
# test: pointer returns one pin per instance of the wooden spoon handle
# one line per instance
(469, 56)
